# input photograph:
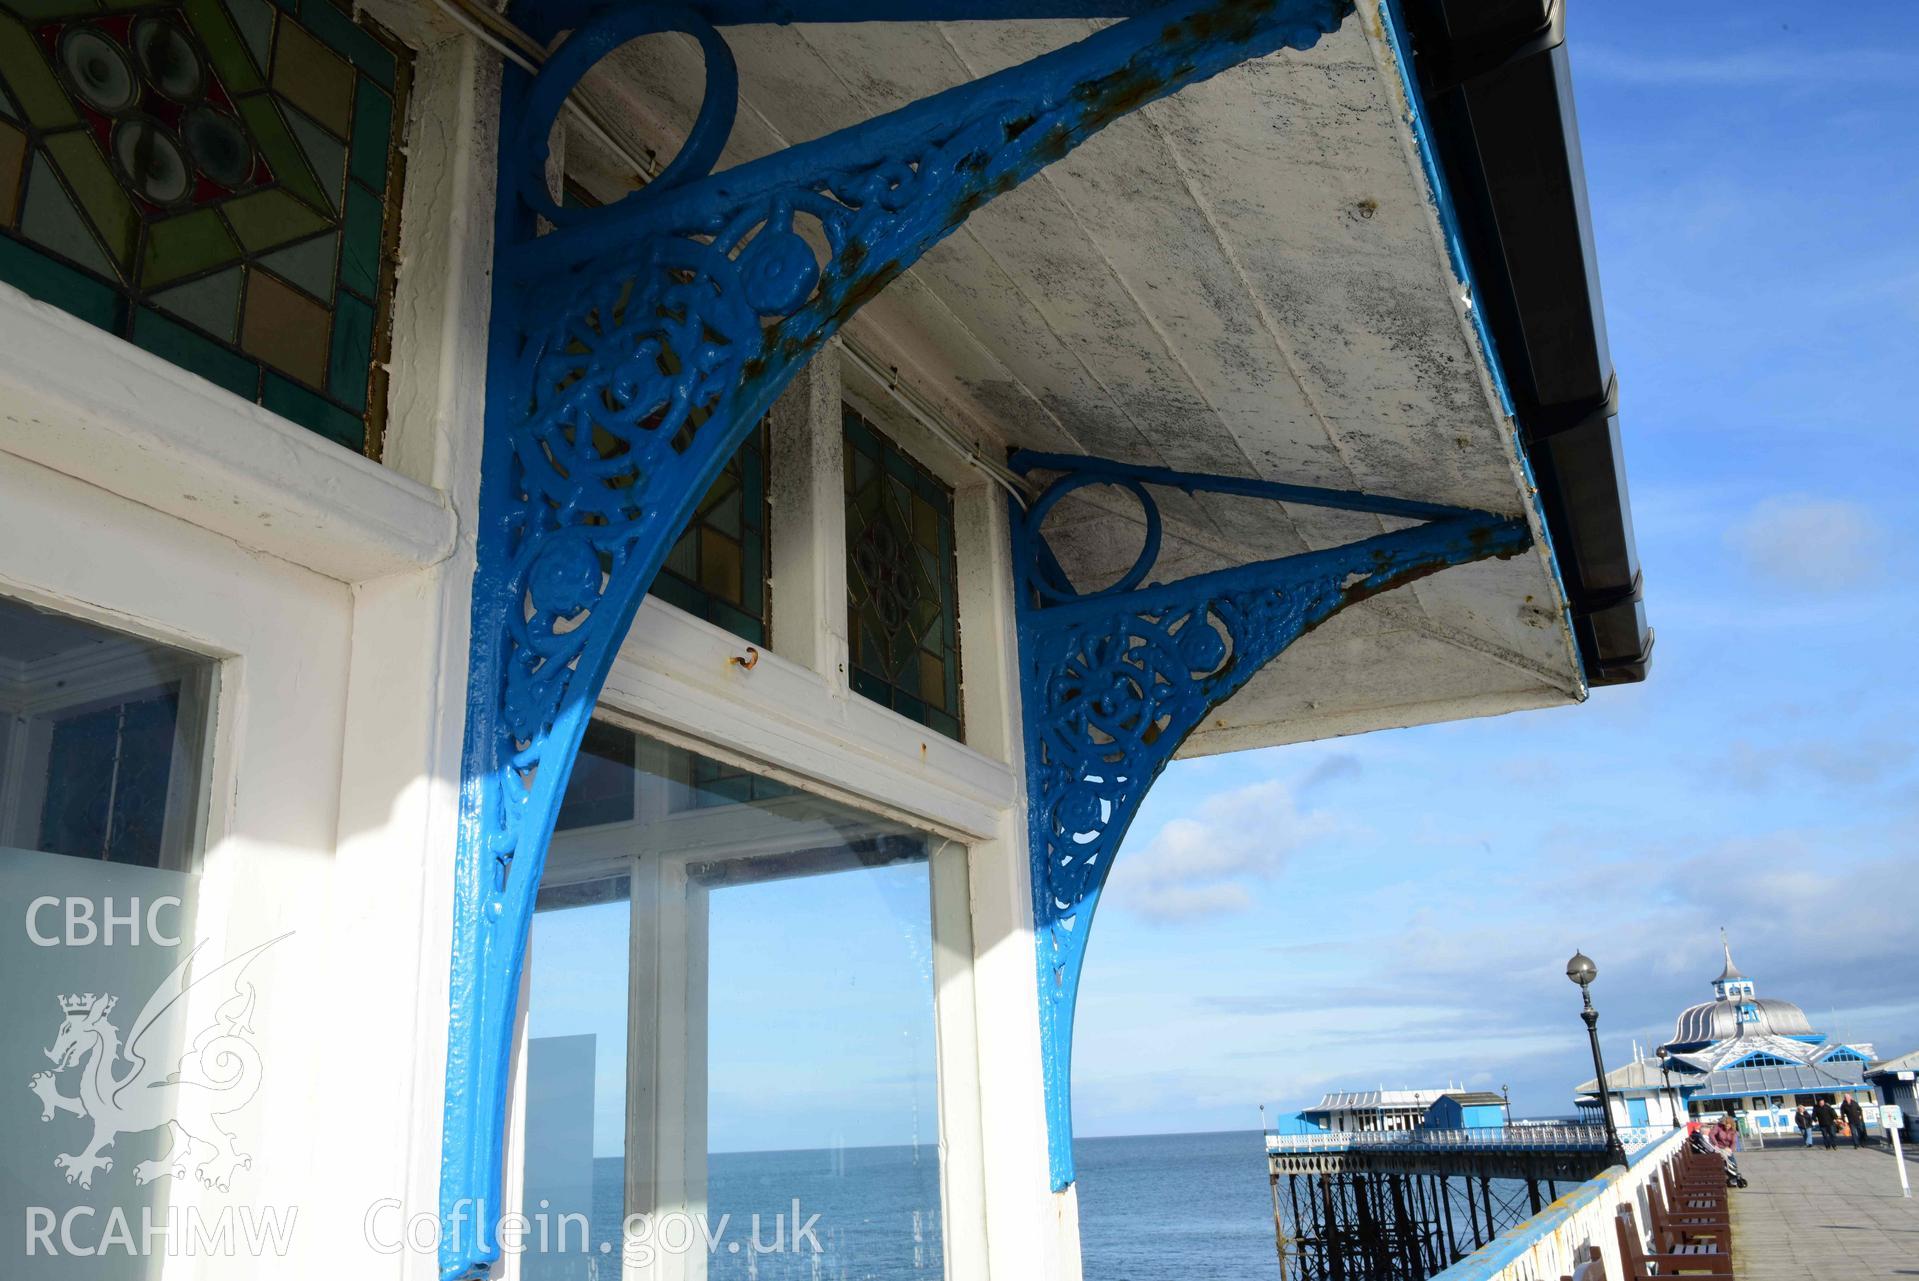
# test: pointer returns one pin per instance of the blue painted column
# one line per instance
(632, 348)
(1112, 682)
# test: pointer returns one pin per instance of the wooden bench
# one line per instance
(1673, 1230)
(1693, 1202)
(1699, 1258)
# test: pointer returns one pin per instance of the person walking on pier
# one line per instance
(1855, 1120)
(1724, 1138)
(1803, 1119)
(1828, 1122)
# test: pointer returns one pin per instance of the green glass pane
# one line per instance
(308, 264)
(180, 346)
(360, 249)
(372, 134)
(684, 559)
(184, 245)
(729, 512)
(30, 80)
(49, 217)
(356, 45)
(99, 192)
(311, 77)
(926, 524)
(325, 154)
(254, 19)
(267, 219)
(741, 624)
(676, 593)
(870, 687)
(63, 287)
(224, 47)
(295, 403)
(212, 302)
(283, 154)
(942, 723)
(7, 109)
(352, 352)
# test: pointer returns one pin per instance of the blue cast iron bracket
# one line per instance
(1112, 681)
(632, 349)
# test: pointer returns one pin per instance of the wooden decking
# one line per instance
(1814, 1215)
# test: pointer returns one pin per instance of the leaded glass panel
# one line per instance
(901, 588)
(718, 568)
(216, 181)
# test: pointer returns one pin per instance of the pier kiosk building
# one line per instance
(1756, 1057)
(613, 575)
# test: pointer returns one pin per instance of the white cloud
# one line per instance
(1207, 861)
(1814, 543)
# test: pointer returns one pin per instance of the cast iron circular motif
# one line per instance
(169, 60)
(218, 145)
(152, 162)
(97, 69)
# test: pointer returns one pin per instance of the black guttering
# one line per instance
(1498, 96)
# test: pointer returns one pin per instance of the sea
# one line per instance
(1151, 1206)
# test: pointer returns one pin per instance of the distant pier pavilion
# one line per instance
(1757, 1058)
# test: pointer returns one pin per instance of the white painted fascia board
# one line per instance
(674, 673)
(76, 399)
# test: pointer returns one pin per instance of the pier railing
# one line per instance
(1574, 1228)
(1572, 1137)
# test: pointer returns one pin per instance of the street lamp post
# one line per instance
(1582, 971)
(1665, 1070)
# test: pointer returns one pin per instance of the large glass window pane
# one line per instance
(730, 1034)
(102, 802)
(574, 1135)
(820, 1068)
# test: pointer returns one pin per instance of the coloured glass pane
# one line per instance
(718, 568)
(215, 181)
(901, 586)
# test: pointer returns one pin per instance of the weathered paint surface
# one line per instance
(1248, 279)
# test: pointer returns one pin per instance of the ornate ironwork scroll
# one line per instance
(1112, 681)
(633, 346)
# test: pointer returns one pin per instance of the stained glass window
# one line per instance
(216, 181)
(717, 569)
(902, 596)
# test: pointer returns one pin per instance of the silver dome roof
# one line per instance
(1719, 1021)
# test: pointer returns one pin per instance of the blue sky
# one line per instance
(1754, 182)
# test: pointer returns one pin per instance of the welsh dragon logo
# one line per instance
(164, 1082)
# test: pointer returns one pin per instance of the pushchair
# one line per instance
(1698, 1143)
